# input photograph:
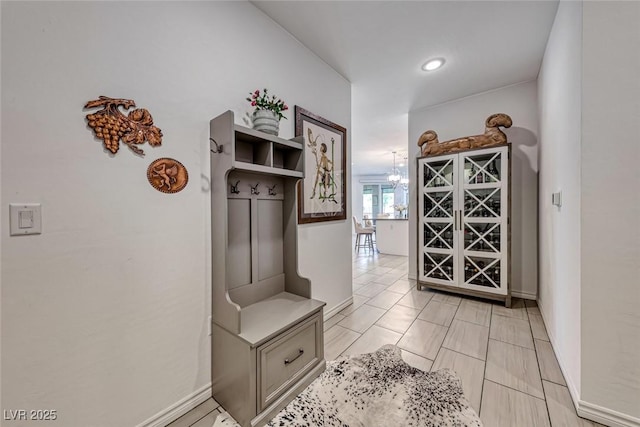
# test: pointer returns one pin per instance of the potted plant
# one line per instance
(268, 111)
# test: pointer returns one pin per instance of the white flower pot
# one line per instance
(266, 121)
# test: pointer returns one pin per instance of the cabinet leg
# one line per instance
(507, 302)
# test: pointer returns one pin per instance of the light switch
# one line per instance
(556, 199)
(25, 218)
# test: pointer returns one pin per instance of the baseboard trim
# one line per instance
(588, 410)
(606, 416)
(573, 390)
(523, 295)
(179, 408)
(335, 310)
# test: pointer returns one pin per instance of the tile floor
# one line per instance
(503, 356)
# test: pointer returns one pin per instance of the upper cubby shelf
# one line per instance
(259, 152)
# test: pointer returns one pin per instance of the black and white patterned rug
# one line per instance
(376, 389)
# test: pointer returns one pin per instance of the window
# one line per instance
(370, 207)
(388, 200)
(367, 206)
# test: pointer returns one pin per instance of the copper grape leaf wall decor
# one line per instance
(111, 126)
(167, 175)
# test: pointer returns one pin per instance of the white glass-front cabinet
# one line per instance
(463, 222)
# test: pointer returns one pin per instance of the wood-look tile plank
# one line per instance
(475, 312)
(504, 407)
(364, 278)
(371, 290)
(336, 340)
(398, 318)
(447, 298)
(439, 313)
(549, 367)
(374, 338)
(416, 299)
(423, 338)
(195, 414)
(537, 327)
(467, 338)
(532, 307)
(385, 299)
(401, 286)
(417, 361)
(396, 273)
(511, 330)
(362, 318)
(561, 409)
(208, 420)
(358, 271)
(517, 309)
(379, 271)
(533, 310)
(328, 323)
(386, 279)
(358, 300)
(515, 367)
(470, 371)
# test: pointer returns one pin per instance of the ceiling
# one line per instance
(379, 47)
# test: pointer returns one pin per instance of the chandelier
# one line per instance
(404, 181)
(394, 177)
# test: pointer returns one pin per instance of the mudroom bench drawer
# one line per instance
(287, 357)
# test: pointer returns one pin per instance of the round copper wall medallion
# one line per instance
(167, 175)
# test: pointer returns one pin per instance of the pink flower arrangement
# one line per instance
(262, 101)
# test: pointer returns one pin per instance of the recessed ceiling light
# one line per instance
(433, 64)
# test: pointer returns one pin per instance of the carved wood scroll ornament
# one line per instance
(167, 175)
(111, 126)
(429, 144)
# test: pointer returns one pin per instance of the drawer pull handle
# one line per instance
(300, 353)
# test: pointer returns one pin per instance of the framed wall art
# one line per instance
(322, 195)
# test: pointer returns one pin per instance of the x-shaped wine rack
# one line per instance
(481, 236)
(438, 266)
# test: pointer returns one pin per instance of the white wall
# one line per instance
(590, 248)
(104, 314)
(610, 207)
(466, 117)
(559, 84)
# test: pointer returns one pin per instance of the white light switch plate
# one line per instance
(25, 218)
(556, 199)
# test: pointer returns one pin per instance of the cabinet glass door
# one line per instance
(484, 219)
(438, 202)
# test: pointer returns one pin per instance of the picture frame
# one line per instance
(322, 194)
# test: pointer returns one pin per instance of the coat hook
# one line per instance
(218, 147)
(254, 190)
(272, 191)
(234, 188)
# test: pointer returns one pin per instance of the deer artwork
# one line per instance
(429, 144)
